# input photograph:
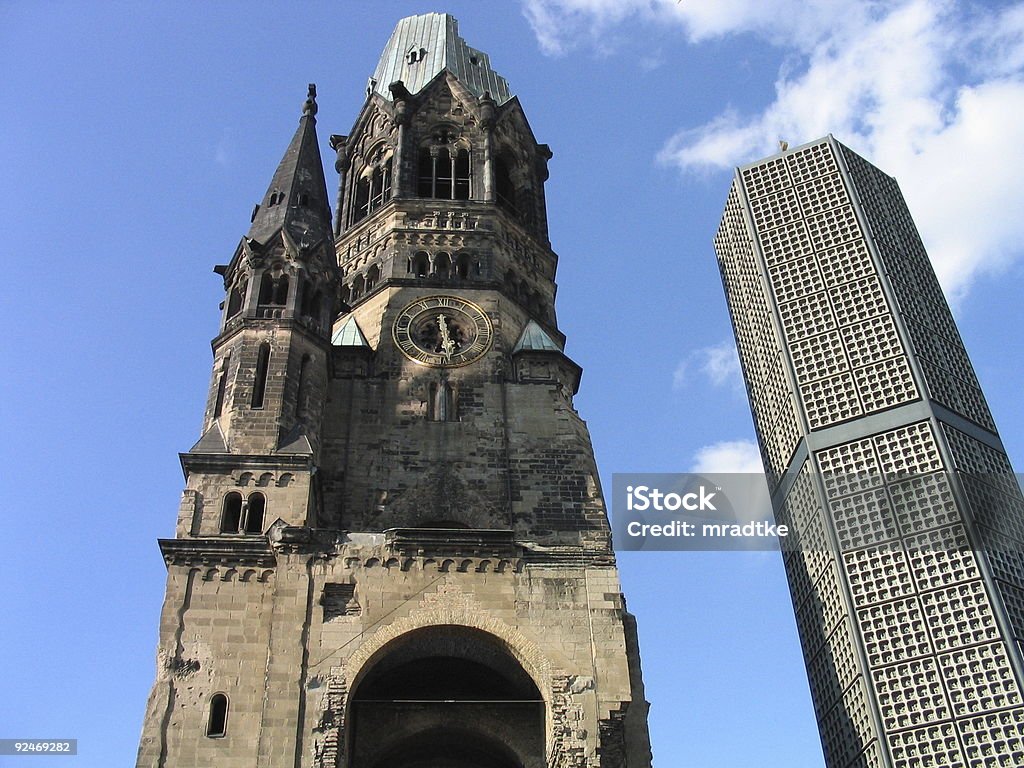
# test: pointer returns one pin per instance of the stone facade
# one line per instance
(883, 458)
(380, 561)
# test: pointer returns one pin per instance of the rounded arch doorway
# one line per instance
(446, 697)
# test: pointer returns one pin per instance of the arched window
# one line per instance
(217, 724)
(362, 202)
(462, 266)
(346, 293)
(231, 516)
(420, 264)
(273, 290)
(254, 509)
(372, 277)
(443, 171)
(380, 187)
(374, 188)
(443, 266)
(259, 387)
(358, 286)
(235, 299)
(442, 405)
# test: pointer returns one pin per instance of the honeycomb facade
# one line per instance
(882, 456)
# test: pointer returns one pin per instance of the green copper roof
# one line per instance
(533, 337)
(349, 335)
(421, 46)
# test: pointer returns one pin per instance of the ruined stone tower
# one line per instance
(392, 548)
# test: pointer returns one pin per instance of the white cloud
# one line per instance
(223, 152)
(718, 363)
(562, 25)
(931, 91)
(739, 456)
(721, 364)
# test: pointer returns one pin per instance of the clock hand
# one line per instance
(447, 344)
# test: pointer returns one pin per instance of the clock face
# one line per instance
(443, 331)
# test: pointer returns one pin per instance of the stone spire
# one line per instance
(296, 200)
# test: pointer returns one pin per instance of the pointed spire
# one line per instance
(296, 199)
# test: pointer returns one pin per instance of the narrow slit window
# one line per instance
(222, 385)
(300, 395)
(217, 725)
(461, 175)
(259, 387)
(505, 191)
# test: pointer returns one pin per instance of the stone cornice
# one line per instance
(234, 550)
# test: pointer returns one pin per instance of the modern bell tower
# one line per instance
(393, 548)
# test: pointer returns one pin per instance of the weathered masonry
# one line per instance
(392, 548)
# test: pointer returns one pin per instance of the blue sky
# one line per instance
(135, 138)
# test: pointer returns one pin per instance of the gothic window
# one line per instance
(414, 55)
(259, 387)
(442, 404)
(462, 266)
(273, 290)
(380, 186)
(303, 199)
(275, 198)
(443, 170)
(443, 266)
(236, 297)
(358, 287)
(362, 207)
(255, 506)
(217, 724)
(317, 305)
(231, 515)
(504, 189)
(372, 277)
(373, 189)
(419, 265)
(537, 304)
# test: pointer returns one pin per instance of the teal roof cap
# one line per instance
(421, 46)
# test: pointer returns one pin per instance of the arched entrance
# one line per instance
(446, 697)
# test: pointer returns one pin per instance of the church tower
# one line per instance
(392, 548)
